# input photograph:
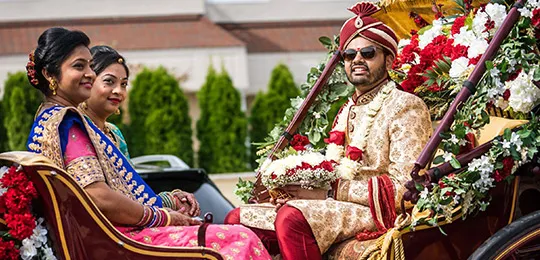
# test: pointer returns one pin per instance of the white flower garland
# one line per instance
(348, 168)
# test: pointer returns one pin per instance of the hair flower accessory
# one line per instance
(30, 71)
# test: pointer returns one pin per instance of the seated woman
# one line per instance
(108, 92)
(60, 68)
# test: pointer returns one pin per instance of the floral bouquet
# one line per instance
(298, 165)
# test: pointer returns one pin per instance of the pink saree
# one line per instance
(232, 241)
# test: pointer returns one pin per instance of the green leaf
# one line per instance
(455, 163)
(419, 186)
(438, 160)
(325, 41)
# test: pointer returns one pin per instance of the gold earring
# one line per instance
(84, 106)
(53, 86)
(117, 112)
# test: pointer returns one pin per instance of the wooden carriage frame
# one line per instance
(77, 227)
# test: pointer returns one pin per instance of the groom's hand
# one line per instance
(279, 203)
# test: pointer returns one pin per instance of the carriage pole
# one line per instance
(468, 89)
(259, 191)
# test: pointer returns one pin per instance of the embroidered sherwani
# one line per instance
(400, 130)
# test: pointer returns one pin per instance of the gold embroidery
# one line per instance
(220, 235)
(257, 251)
(216, 246)
(85, 170)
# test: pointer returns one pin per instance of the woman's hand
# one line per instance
(188, 201)
(180, 219)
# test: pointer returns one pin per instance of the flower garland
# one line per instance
(26, 237)
(470, 188)
(350, 158)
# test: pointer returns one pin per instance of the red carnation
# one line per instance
(16, 201)
(475, 60)
(459, 51)
(299, 142)
(8, 250)
(21, 225)
(327, 165)
(336, 137)
(13, 178)
(353, 153)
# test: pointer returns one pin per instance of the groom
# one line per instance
(390, 127)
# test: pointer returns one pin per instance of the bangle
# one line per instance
(167, 217)
(154, 221)
(145, 219)
(166, 199)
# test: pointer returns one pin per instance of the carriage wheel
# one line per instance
(518, 240)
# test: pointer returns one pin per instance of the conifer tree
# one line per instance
(160, 121)
(205, 153)
(20, 103)
(269, 109)
(226, 128)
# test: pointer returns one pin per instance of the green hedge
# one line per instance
(269, 109)
(20, 104)
(160, 121)
(225, 133)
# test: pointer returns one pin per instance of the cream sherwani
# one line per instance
(399, 132)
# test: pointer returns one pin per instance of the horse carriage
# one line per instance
(508, 229)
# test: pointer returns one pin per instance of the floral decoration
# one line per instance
(26, 237)
(434, 64)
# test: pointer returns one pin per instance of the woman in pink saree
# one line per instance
(60, 68)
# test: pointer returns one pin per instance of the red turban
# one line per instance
(363, 25)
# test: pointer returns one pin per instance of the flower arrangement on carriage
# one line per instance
(435, 63)
(26, 236)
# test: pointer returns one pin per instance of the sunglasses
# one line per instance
(366, 53)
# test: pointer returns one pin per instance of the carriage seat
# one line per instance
(77, 227)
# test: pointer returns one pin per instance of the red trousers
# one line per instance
(293, 237)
